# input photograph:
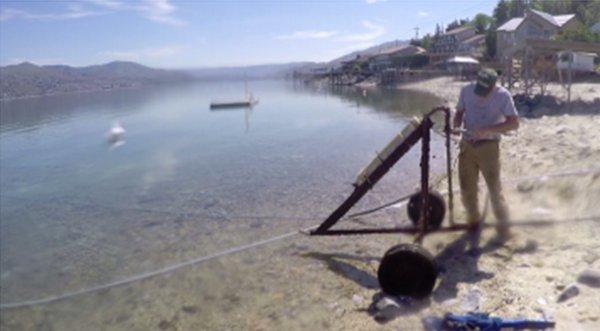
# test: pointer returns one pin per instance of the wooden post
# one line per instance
(570, 78)
(526, 66)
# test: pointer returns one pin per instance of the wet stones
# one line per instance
(570, 291)
(386, 309)
(525, 187)
(190, 309)
(590, 257)
(589, 277)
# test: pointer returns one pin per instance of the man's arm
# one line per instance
(511, 119)
(509, 124)
(458, 118)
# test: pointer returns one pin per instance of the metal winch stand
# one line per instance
(406, 269)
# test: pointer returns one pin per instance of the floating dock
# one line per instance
(233, 104)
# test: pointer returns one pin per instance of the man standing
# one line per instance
(486, 110)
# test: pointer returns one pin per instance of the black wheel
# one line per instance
(437, 209)
(408, 270)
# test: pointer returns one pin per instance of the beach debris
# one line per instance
(386, 308)
(359, 300)
(541, 211)
(524, 187)
(562, 129)
(590, 257)
(569, 292)
(472, 300)
(432, 323)
(190, 309)
(479, 321)
(340, 311)
(589, 277)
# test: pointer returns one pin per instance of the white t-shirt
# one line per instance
(487, 111)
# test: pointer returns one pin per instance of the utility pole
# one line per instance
(416, 32)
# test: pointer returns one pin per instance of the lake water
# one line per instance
(187, 182)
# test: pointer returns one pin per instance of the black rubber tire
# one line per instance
(437, 209)
(408, 270)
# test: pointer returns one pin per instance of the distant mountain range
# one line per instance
(28, 80)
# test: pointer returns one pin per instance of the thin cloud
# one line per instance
(109, 4)
(374, 31)
(308, 34)
(370, 2)
(72, 12)
(422, 14)
(160, 11)
(145, 54)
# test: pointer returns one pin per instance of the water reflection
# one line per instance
(394, 103)
(34, 112)
(189, 182)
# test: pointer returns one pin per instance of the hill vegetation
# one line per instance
(28, 80)
(587, 13)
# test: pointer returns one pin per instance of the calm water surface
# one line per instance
(187, 182)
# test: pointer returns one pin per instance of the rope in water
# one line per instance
(241, 248)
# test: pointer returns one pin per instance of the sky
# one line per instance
(212, 33)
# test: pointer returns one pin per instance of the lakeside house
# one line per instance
(463, 41)
(472, 47)
(398, 57)
(581, 62)
(535, 24)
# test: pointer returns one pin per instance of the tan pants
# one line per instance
(481, 157)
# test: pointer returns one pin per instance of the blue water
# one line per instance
(187, 181)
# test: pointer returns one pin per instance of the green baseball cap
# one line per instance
(486, 80)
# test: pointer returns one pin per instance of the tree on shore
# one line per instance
(482, 22)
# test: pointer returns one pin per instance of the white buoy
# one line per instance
(116, 132)
(114, 136)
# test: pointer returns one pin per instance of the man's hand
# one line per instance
(511, 123)
(481, 134)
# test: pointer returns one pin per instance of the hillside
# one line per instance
(29, 80)
(369, 51)
(249, 72)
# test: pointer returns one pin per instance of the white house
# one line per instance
(582, 62)
(534, 25)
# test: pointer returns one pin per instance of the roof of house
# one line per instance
(563, 19)
(512, 24)
(403, 48)
(475, 39)
(458, 30)
(558, 20)
(462, 59)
